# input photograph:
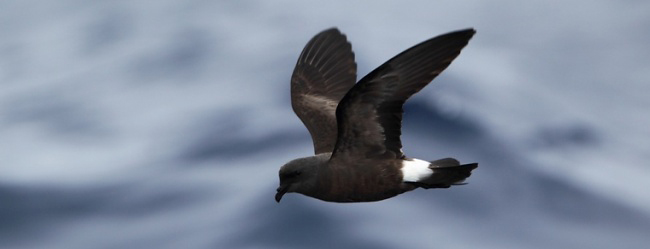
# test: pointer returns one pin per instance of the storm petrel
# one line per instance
(356, 128)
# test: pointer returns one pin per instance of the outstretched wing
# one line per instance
(323, 75)
(370, 114)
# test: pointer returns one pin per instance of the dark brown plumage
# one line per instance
(356, 128)
(324, 73)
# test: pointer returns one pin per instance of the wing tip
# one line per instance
(333, 29)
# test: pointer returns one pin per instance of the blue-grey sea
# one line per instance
(162, 124)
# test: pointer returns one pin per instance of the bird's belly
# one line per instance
(364, 188)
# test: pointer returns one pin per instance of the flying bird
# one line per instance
(356, 128)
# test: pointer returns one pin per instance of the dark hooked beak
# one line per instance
(281, 191)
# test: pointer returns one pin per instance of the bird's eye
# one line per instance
(294, 174)
(289, 175)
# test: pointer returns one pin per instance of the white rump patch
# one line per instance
(414, 170)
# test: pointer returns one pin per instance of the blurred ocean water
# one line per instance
(162, 124)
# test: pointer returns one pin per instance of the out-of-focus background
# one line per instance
(162, 124)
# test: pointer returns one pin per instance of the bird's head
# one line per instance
(298, 176)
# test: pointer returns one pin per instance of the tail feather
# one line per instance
(447, 172)
(445, 162)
